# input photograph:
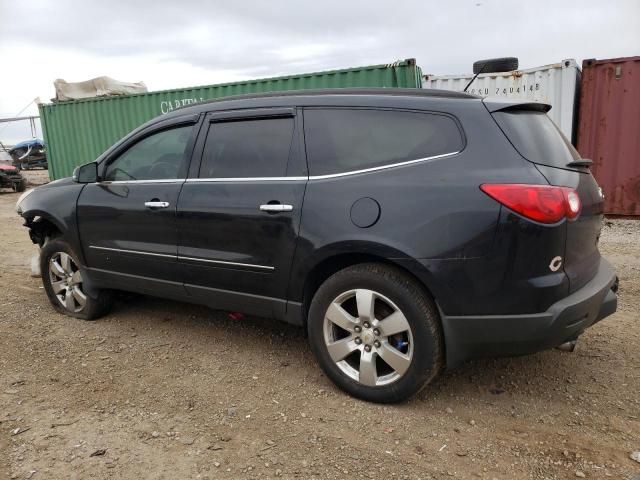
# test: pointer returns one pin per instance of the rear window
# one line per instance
(536, 137)
(344, 140)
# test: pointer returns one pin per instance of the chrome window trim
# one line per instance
(180, 257)
(248, 179)
(382, 167)
(121, 182)
(324, 177)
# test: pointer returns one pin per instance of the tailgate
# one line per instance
(537, 139)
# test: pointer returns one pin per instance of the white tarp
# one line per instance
(96, 87)
(5, 157)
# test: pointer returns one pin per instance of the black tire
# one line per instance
(427, 359)
(19, 187)
(95, 306)
(494, 65)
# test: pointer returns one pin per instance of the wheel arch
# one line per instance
(335, 259)
(42, 225)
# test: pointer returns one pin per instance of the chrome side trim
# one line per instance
(221, 262)
(138, 252)
(323, 177)
(180, 257)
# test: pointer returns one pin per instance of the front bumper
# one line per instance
(468, 337)
(12, 180)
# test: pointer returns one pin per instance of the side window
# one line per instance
(247, 148)
(158, 156)
(343, 140)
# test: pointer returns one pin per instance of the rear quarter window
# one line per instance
(343, 140)
(536, 137)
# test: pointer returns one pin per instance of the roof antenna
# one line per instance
(476, 75)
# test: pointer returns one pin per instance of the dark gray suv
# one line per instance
(406, 230)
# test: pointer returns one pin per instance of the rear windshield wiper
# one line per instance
(583, 162)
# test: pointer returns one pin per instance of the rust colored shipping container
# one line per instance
(609, 130)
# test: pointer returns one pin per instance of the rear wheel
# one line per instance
(63, 281)
(375, 333)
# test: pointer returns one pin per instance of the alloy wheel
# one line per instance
(66, 282)
(368, 337)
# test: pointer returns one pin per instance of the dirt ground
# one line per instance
(164, 390)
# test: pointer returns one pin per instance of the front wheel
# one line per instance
(376, 333)
(63, 281)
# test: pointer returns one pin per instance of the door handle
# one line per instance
(276, 207)
(156, 204)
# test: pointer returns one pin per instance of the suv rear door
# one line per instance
(239, 210)
(539, 140)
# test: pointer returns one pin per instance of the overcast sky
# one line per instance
(169, 43)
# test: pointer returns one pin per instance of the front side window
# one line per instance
(159, 156)
(344, 140)
(247, 148)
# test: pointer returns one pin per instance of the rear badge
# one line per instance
(556, 263)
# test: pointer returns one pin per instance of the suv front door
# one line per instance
(239, 212)
(127, 220)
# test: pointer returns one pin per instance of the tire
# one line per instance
(417, 352)
(67, 277)
(19, 187)
(494, 65)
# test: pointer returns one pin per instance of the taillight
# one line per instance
(574, 205)
(542, 203)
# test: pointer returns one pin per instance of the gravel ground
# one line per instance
(159, 389)
(36, 176)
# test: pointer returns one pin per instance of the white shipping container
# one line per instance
(557, 84)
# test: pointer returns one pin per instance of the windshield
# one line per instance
(536, 137)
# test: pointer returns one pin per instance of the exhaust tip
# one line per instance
(569, 346)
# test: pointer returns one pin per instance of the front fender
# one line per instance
(54, 203)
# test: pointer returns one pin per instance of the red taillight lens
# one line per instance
(542, 203)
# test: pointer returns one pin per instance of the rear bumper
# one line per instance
(468, 337)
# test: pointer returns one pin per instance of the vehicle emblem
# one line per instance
(556, 263)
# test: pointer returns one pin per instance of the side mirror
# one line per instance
(87, 173)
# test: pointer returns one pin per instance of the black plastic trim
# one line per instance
(468, 337)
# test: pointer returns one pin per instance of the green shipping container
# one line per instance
(77, 132)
